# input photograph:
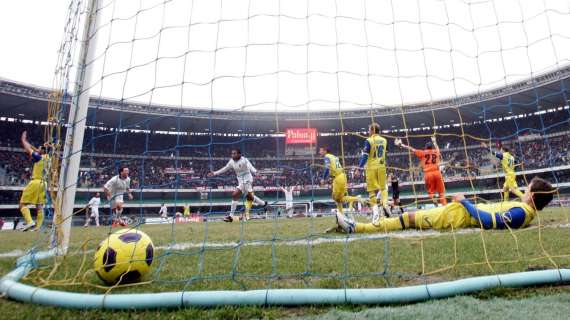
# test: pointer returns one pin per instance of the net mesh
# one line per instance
(178, 84)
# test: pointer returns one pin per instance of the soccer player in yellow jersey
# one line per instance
(186, 211)
(462, 213)
(508, 163)
(334, 170)
(35, 191)
(374, 161)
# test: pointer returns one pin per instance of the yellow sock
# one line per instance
(372, 198)
(27, 215)
(350, 200)
(384, 225)
(506, 196)
(248, 204)
(384, 196)
(518, 193)
(40, 219)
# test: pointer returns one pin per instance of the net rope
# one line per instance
(243, 261)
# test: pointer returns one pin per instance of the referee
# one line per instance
(395, 193)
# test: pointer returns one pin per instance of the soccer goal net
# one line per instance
(236, 152)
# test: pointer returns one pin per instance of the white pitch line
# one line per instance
(12, 254)
(303, 242)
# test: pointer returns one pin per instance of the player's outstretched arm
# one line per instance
(222, 170)
(399, 143)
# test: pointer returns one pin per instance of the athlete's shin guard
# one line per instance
(40, 218)
(258, 201)
(372, 198)
(382, 195)
(27, 215)
(384, 225)
(375, 214)
(233, 208)
(248, 205)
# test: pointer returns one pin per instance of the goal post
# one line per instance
(73, 146)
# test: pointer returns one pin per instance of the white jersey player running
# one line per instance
(163, 213)
(244, 171)
(288, 191)
(114, 189)
(93, 205)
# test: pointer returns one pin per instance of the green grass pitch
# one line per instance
(294, 253)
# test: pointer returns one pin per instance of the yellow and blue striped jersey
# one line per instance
(40, 163)
(507, 161)
(512, 214)
(374, 153)
(332, 166)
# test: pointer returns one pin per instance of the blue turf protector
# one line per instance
(10, 287)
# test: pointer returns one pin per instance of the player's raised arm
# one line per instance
(33, 152)
(222, 170)
(434, 141)
(497, 154)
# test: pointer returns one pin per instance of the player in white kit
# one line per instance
(114, 189)
(288, 191)
(93, 206)
(163, 212)
(244, 171)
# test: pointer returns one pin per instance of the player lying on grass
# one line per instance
(430, 159)
(35, 191)
(462, 213)
(244, 171)
(508, 163)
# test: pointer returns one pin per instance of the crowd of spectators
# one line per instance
(176, 169)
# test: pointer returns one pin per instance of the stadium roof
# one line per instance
(546, 90)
